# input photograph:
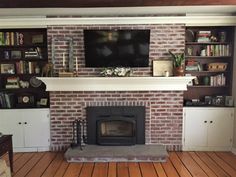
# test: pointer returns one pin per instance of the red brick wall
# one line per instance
(163, 108)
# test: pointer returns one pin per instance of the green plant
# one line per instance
(178, 59)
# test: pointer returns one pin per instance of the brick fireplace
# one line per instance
(163, 109)
(163, 113)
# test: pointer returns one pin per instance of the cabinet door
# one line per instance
(195, 128)
(220, 129)
(11, 123)
(37, 128)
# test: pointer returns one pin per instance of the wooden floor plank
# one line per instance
(29, 165)
(46, 164)
(169, 169)
(41, 166)
(16, 156)
(112, 169)
(134, 170)
(211, 164)
(100, 170)
(62, 169)
(148, 170)
(183, 172)
(87, 170)
(122, 169)
(159, 169)
(227, 168)
(228, 157)
(191, 165)
(20, 162)
(205, 168)
(52, 168)
(73, 170)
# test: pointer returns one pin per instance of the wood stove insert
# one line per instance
(116, 125)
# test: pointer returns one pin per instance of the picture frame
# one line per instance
(37, 39)
(163, 68)
(229, 101)
(16, 54)
(7, 68)
(43, 101)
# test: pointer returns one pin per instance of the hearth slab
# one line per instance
(136, 153)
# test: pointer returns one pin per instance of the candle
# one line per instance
(63, 59)
(76, 63)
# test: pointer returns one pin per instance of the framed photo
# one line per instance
(43, 101)
(15, 54)
(162, 67)
(7, 69)
(229, 101)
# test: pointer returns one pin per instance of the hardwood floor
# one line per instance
(179, 164)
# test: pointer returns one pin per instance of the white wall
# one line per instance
(234, 90)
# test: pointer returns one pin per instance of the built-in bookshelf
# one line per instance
(23, 54)
(209, 57)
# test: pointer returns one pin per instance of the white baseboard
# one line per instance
(234, 150)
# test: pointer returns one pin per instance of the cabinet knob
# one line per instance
(19, 123)
(211, 122)
(205, 121)
(25, 122)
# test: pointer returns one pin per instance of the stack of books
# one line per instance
(192, 65)
(203, 36)
(12, 83)
(33, 53)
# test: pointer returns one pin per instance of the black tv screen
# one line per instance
(116, 48)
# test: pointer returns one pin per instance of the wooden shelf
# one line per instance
(10, 47)
(23, 59)
(206, 86)
(225, 49)
(22, 40)
(206, 72)
(208, 57)
(207, 43)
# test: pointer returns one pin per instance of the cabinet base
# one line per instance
(206, 148)
(31, 149)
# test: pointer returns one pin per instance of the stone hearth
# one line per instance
(137, 153)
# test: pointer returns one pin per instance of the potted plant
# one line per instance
(178, 63)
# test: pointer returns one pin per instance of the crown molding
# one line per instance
(120, 11)
(43, 22)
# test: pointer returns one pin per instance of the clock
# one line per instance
(25, 100)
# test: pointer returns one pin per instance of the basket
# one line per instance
(217, 66)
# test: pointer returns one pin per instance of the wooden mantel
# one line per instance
(116, 83)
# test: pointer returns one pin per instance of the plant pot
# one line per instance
(178, 71)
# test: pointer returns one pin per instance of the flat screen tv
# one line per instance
(116, 48)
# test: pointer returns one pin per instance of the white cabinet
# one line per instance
(30, 128)
(208, 128)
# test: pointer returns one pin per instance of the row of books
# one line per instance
(217, 50)
(7, 100)
(11, 38)
(27, 67)
(218, 80)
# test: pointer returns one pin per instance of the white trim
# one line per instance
(206, 148)
(31, 149)
(233, 150)
(115, 83)
(120, 11)
(36, 22)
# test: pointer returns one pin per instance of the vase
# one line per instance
(178, 71)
